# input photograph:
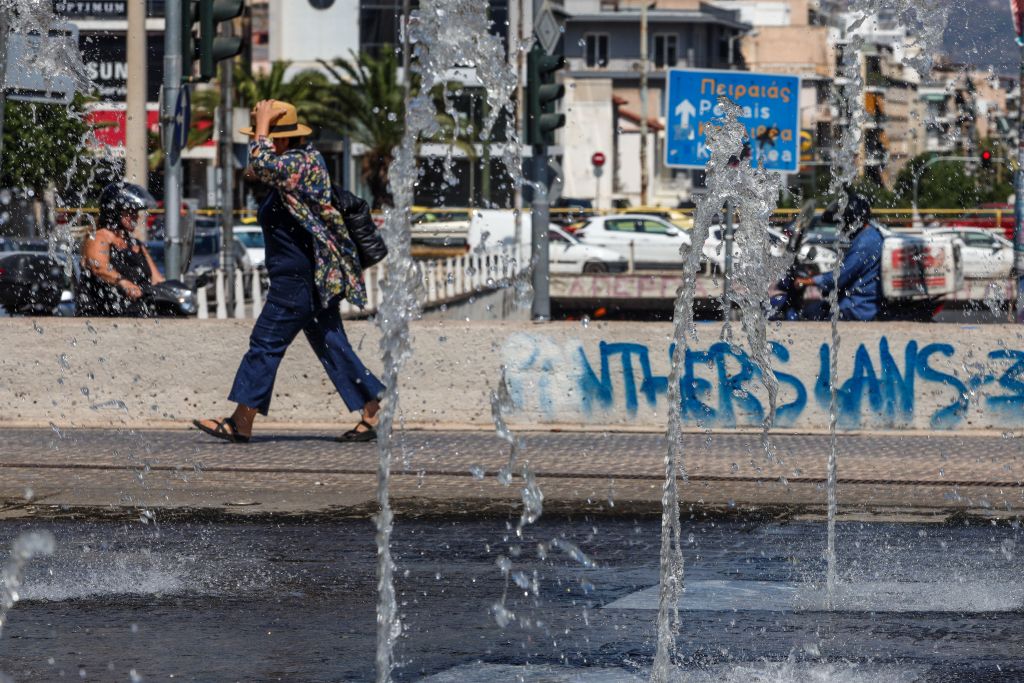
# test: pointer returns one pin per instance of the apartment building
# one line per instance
(604, 102)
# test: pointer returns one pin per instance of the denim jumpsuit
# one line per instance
(293, 304)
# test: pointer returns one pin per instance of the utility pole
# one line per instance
(172, 162)
(542, 92)
(226, 162)
(4, 27)
(1018, 186)
(1017, 13)
(136, 168)
(643, 103)
(517, 46)
(540, 211)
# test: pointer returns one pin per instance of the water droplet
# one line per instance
(62, 360)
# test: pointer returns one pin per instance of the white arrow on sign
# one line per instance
(685, 110)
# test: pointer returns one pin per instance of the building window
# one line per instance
(597, 49)
(666, 50)
(380, 23)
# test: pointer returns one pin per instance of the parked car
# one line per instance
(440, 227)
(568, 210)
(569, 256)
(817, 257)
(987, 217)
(985, 254)
(678, 218)
(205, 254)
(651, 242)
(31, 283)
(251, 237)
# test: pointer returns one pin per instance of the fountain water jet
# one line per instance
(756, 191)
(444, 35)
(928, 24)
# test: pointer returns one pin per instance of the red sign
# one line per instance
(110, 124)
(1017, 9)
(598, 158)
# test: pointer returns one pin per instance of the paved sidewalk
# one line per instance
(439, 472)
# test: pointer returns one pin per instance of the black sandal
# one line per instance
(356, 436)
(221, 433)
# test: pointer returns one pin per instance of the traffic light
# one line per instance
(209, 48)
(986, 159)
(541, 94)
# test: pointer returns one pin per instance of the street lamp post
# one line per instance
(1018, 185)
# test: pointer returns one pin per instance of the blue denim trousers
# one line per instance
(291, 308)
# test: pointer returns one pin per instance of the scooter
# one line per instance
(789, 304)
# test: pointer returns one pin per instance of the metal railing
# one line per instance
(445, 281)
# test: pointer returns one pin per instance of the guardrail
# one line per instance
(445, 281)
(1000, 215)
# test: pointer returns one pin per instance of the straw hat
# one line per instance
(287, 126)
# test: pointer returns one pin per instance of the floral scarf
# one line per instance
(300, 176)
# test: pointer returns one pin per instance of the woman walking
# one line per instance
(312, 264)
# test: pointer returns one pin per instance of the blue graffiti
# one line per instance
(717, 385)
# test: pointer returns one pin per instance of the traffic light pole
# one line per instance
(227, 170)
(172, 162)
(539, 218)
(1018, 204)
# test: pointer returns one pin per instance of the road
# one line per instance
(441, 472)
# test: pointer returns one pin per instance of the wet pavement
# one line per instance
(290, 601)
(436, 471)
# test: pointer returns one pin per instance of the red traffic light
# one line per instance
(986, 155)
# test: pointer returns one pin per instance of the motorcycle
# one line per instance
(790, 304)
(170, 298)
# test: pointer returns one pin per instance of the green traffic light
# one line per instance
(213, 48)
(209, 48)
(541, 95)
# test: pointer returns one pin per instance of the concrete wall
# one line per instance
(71, 372)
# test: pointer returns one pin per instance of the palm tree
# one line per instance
(307, 90)
(367, 102)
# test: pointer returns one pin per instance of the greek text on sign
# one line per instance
(771, 114)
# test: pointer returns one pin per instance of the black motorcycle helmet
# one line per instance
(855, 215)
(119, 197)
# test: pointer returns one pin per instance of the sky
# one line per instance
(981, 32)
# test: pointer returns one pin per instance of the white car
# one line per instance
(251, 237)
(714, 250)
(984, 254)
(652, 242)
(569, 256)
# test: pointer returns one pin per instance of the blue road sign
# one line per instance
(182, 119)
(771, 113)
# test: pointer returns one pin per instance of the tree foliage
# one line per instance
(44, 144)
(367, 103)
(307, 90)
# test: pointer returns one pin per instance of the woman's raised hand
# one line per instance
(265, 114)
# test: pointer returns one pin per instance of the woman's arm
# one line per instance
(282, 171)
(154, 273)
(96, 257)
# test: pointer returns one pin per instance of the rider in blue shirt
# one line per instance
(860, 276)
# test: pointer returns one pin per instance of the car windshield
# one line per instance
(441, 217)
(206, 245)
(251, 239)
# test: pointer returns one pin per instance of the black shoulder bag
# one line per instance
(370, 247)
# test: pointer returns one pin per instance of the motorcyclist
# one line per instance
(116, 268)
(860, 276)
